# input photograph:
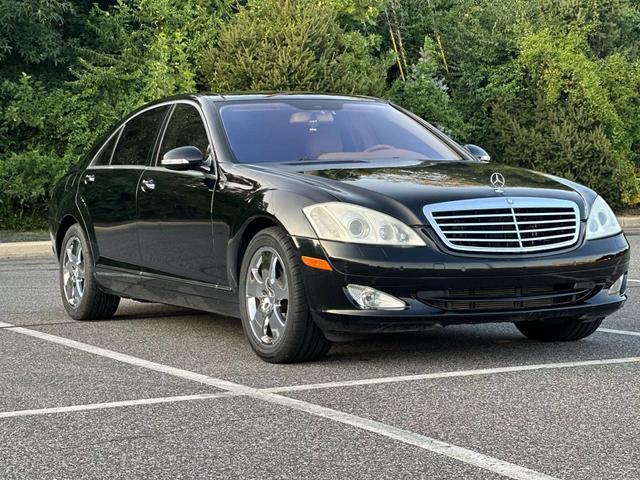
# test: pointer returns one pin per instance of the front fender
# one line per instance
(267, 208)
(286, 208)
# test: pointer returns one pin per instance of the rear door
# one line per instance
(109, 186)
(175, 215)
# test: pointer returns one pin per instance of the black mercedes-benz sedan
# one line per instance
(319, 218)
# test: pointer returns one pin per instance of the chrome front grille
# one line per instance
(505, 224)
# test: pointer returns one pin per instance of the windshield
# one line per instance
(326, 130)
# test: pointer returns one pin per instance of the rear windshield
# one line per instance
(332, 130)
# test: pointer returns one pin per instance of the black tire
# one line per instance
(94, 304)
(302, 340)
(566, 330)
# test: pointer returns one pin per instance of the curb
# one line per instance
(19, 250)
(629, 222)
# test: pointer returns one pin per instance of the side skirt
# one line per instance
(168, 290)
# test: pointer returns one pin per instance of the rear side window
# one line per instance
(138, 138)
(104, 155)
(185, 129)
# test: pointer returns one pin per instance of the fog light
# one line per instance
(372, 299)
(619, 286)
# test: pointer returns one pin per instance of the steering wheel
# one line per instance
(380, 146)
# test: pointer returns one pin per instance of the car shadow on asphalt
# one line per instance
(462, 343)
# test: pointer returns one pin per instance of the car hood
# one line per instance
(396, 185)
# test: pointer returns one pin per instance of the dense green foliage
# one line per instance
(293, 46)
(552, 85)
(59, 97)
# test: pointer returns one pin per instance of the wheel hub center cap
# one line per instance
(266, 305)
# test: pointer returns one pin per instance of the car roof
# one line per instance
(239, 97)
(235, 97)
(224, 97)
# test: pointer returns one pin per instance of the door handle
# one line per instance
(148, 184)
(89, 178)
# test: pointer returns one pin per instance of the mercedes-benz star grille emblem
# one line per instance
(497, 181)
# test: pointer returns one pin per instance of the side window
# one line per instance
(104, 156)
(185, 129)
(138, 138)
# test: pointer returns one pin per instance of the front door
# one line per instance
(175, 214)
(108, 189)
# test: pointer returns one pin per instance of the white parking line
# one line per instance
(619, 332)
(452, 374)
(123, 403)
(433, 445)
(318, 386)
(138, 362)
(462, 454)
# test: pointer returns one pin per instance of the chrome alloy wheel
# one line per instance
(73, 272)
(267, 295)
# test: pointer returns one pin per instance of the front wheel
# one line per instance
(82, 297)
(565, 330)
(273, 305)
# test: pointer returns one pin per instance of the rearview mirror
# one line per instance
(182, 158)
(478, 152)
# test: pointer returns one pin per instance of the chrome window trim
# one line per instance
(124, 126)
(119, 167)
(170, 103)
(116, 133)
(505, 203)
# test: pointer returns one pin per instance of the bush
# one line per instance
(521, 74)
(25, 180)
(426, 94)
(293, 45)
(566, 142)
(570, 114)
(113, 62)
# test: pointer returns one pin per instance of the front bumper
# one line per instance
(406, 272)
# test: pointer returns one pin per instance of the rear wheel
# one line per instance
(273, 305)
(81, 295)
(565, 330)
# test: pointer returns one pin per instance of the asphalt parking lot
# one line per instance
(162, 392)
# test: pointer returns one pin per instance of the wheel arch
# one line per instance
(268, 207)
(65, 224)
(249, 230)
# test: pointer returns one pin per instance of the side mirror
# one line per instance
(478, 152)
(182, 158)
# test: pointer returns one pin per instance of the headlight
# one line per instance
(354, 224)
(602, 221)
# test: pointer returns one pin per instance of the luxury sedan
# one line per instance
(322, 218)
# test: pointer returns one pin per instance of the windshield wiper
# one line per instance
(323, 160)
(301, 160)
(304, 159)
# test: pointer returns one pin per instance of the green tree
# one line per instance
(546, 84)
(293, 45)
(426, 94)
(100, 65)
(565, 140)
(511, 65)
(571, 113)
(34, 32)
